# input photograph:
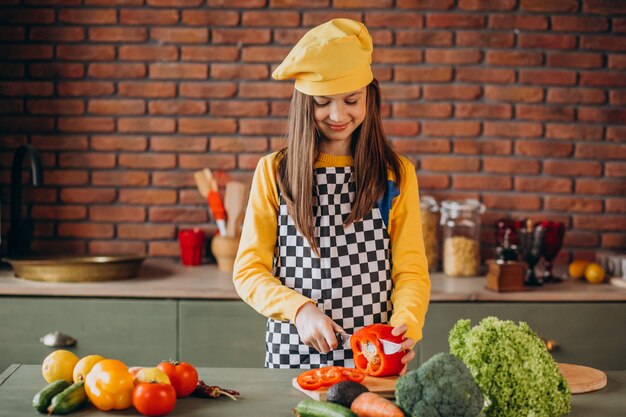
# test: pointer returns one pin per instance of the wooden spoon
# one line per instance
(233, 203)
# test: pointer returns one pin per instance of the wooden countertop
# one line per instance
(168, 279)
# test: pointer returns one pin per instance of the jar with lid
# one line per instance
(428, 214)
(460, 220)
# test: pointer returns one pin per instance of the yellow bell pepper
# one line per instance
(109, 385)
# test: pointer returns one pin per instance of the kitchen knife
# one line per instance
(389, 348)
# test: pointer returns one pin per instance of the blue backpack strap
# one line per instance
(384, 204)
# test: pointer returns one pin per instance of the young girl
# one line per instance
(332, 238)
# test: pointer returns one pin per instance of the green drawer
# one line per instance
(221, 334)
(137, 332)
(588, 334)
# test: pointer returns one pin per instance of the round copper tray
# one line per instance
(77, 268)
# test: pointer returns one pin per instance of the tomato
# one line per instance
(326, 376)
(183, 376)
(154, 398)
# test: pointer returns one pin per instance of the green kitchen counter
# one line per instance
(264, 392)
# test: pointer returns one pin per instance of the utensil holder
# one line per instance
(506, 276)
(224, 249)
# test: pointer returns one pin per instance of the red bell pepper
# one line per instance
(326, 376)
(368, 352)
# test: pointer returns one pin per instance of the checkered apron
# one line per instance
(350, 281)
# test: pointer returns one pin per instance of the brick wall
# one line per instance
(517, 102)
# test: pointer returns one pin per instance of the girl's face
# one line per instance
(338, 116)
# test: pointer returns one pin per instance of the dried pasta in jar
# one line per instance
(460, 256)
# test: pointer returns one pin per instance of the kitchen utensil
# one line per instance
(582, 379)
(385, 387)
(618, 282)
(552, 242)
(389, 348)
(224, 249)
(215, 201)
(234, 204)
(531, 242)
(77, 268)
(202, 184)
(191, 246)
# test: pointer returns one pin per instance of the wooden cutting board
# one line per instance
(382, 386)
(582, 379)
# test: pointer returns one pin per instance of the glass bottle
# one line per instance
(430, 223)
(461, 220)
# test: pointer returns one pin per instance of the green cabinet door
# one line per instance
(137, 332)
(221, 334)
(589, 334)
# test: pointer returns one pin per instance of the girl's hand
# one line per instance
(316, 329)
(407, 345)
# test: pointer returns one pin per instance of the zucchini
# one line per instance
(42, 399)
(69, 400)
(312, 408)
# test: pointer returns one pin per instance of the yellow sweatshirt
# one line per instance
(258, 287)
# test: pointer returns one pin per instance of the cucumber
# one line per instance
(69, 400)
(42, 399)
(312, 408)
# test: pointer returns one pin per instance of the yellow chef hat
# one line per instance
(332, 58)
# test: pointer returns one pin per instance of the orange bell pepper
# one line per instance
(368, 352)
(109, 385)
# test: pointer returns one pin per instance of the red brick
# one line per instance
(58, 106)
(114, 2)
(485, 39)
(543, 148)
(58, 142)
(576, 95)
(451, 128)
(615, 169)
(88, 195)
(27, 124)
(483, 111)
(544, 113)
(280, 4)
(452, 92)
(572, 168)
(148, 17)
(541, 77)
(573, 204)
(179, 71)
(423, 74)
(579, 24)
(551, 6)
(241, 36)
(146, 231)
(205, 125)
(148, 197)
(575, 60)
(617, 97)
(65, 177)
(289, 36)
(518, 21)
(56, 70)
(209, 18)
(514, 94)
(146, 124)
(616, 134)
(514, 58)
(179, 35)
(179, 144)
(617, 61)
(425, 4)
(609, 7)
(546, 41)
(11, 70)
(314, 18)
(619, 25)
(209, 53)
(40, 195)
(25, 52)
(239, 108)
(12, 34)
(85, 230)
(175, 107)
(421, 145)
(434, 182)
(87, 160)
(117, 214)
(147, 89)
(370, 4)
(614, 240)
(604, 187)
(119, 143)
(576, 131)
(382, 73)
(23, 15)
(220, 162)
(265, 90)
(85, 52)
(513, 129)
(239, 71)
(12, 141)
(261, 127)
(602, 115)
(606, 222)
(422, 110)
(600, 151)
(238, 144)
(401, 127)
(603, 79)
(603, 43)
(485, 75)
(62, 34)
(26, 88)
(511, 165)
(117, 71)
(106, 247)
(120, 178)
(208, 90)
(87, 16)
(423, 38)
(177, 215)
(449, 164)
(397, 56)
(544, 185)
(615, 205)
(481, 182)
(148, 53)
(180, 179)
(453, 56)
(64, 212)
(512, 202)
(86, 124)
(12, 106)
(116, 106)
(118, 34)
(394, 20)
(60, 247)
(479, 5)
(271, 18)
(482, 147)
(392, 91)
(174, 3)
(263, 53)
(248, 161)
(453, 20)
(168, 249)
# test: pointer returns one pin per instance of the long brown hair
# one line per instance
(372, 158)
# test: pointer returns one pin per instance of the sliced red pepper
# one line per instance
(309, 380)
(369, 356)
(326, 376)
(353, 374)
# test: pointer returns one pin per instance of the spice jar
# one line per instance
(461, 236)
(428, 214)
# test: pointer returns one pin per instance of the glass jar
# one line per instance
(428, 214)
(461, 236)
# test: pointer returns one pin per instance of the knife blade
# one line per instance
(389, 348)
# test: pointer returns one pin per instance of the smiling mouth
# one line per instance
(338, 127)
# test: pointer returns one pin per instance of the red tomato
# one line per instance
(154, 399)
(183, 376)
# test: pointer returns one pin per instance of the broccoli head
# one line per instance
(441, 387)
(512, 367)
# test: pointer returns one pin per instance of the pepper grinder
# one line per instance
(531, 242)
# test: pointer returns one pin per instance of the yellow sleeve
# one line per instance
(252, 275)
(411, 292)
